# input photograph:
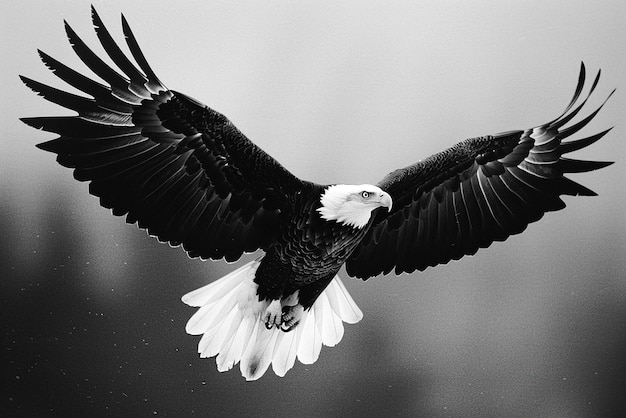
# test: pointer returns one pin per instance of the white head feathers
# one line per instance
(352, 205)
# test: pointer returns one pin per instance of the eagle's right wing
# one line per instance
(177, 168)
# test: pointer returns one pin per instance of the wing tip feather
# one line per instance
(31, 84)
(567, 165)
(46, 146)
(33, 122)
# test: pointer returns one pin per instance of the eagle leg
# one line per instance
(273, 314)
(291, 317)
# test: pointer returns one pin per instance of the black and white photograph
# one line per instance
(313, 208)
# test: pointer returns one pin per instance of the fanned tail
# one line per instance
(229, 320)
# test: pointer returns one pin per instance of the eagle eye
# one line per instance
(365, 194)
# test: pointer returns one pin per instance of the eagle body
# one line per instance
(185, 173)
(309, 250)
(306, 250)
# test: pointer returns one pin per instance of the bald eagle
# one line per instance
(187, 175)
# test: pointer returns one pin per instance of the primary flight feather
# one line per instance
(188, 176)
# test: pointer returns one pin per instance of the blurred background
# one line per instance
(92, 322)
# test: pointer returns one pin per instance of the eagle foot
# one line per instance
(291, 317)
(273, 315)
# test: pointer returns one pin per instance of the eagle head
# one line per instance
(352, 205)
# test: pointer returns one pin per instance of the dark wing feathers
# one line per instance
(169, 163)
(187, 175)
(479, 191)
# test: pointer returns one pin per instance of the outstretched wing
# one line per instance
(169, 163)
(479, 191)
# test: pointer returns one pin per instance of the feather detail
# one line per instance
(229, 320)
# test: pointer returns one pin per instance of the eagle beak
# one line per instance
(385, 200)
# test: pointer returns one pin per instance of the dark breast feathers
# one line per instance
(308, 252)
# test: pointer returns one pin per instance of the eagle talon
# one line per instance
(273, 315)
(291, 317)
(288, 329)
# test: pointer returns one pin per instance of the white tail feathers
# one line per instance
(229, 320)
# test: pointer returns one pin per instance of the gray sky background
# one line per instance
(338, 92)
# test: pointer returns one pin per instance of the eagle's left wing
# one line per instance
(479, 191)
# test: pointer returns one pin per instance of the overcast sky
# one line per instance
(346, 91)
